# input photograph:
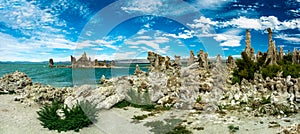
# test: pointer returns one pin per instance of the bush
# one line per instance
(270, 71)
(292, 70)
(199, 99)
(245, 69)
(81, 115)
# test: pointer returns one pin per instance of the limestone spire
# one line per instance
(281, 53)
(192, 58)
(294, 58)
(249, 50)
(272, 52)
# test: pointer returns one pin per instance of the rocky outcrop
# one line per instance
(82, 62)
(14, 82)
(296, 56)
(40, 94)
(178, 61)
(248, 49)
(192, 58)
(102, 97)
(29, 93)
(202, 59)
(272, 51)
(231, 63)
(85, 62)
(281, 53)
(138, 71)
(292, 129)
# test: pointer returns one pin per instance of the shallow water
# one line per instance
(60, 77)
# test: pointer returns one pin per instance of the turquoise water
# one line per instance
(59, 77)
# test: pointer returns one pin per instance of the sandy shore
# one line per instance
(16, 118)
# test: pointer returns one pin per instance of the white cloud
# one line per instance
(134, 47)
(158, 7)
(203, 23)
(149, 43)
(186, 35)
(231, 43)
(98, 49)
(225, 49)
(144, 37)
(142, 31)
(289, 38)
(107, 44)
(211, 4)
(124, 55)
(262, 23)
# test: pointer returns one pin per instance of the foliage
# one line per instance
(233, 129)
(270, 71)
(245, 69)
(179, 130)
(198, 100)
(122, 104)
(172, 126)
(125, 103)
(266, 100)
(140, 117)
(292, 70)
(81, 115)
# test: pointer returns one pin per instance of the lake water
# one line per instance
(59, 77)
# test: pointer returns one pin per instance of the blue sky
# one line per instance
(36, 30)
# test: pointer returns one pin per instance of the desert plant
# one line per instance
(233, 129)
(81, 115)
(198, 100)
(270, 71)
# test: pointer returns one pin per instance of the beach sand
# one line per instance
(17, 118)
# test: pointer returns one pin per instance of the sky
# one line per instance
(37, 30)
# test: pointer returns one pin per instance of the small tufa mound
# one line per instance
(14, 82)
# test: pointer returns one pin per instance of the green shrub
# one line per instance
(245, 69)
(233, 129)
(292, 70)
(270, 71)
(266, 100)
(198, 100)
(140, 117)
(125, 103)
(81, 115)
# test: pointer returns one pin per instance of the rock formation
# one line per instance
(158, 62)
(29, 93)
(83, 61)
(272, 51)
(248, 49)
(259, 55)
(86, 62)
(281, 53)
(14, 82)
(138, 71)
(230, 62)
(192, 58)
(178, 60)
(73, 60)
(296, 56)
(202, 59)
(51, 63)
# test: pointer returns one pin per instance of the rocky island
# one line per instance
(84, 62)
(255, 94)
